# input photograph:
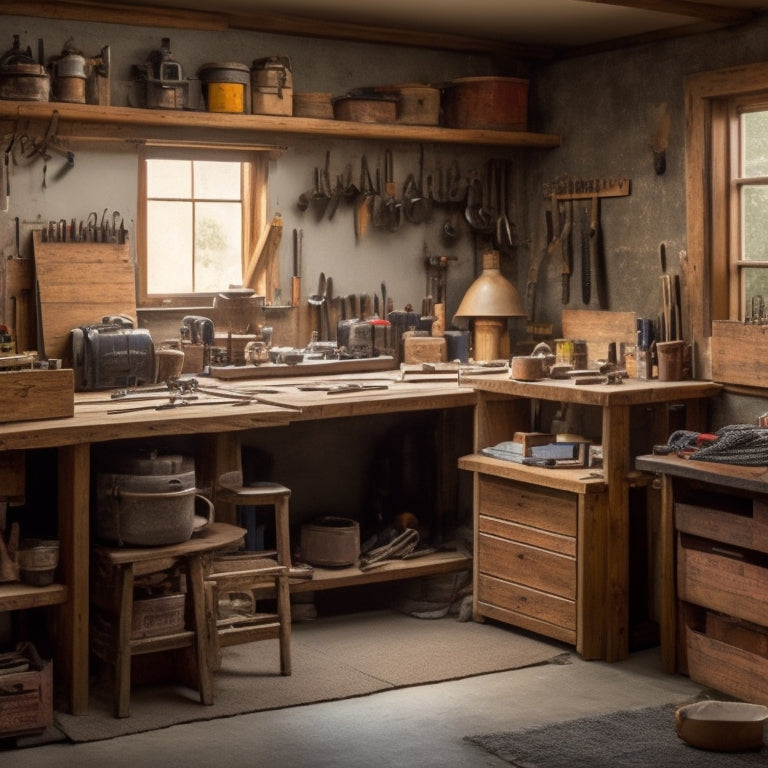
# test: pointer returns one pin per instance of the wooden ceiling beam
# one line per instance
(157, 16)
(717, 14)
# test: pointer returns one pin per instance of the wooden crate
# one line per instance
(37, 394)
(26, 701)
(739, 353)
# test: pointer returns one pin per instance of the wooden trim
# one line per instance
(702, 11)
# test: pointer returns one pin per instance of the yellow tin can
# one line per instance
(226, 87)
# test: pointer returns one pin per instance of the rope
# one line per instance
(733, 444)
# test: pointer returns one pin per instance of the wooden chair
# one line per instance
(117, 570)
(255, 575)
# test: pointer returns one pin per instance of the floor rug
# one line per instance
(630, 739)
(332, 658)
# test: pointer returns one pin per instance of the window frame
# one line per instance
(254, 212)
(710, 274)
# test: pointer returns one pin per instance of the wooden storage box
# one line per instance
(726, 667)
(37, 394)
(154, 616)
(737, 353)
(26, 701)
(721, 578)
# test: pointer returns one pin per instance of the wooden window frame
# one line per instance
(710, 274)
(254, 196)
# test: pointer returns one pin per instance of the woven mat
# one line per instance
(332, 658)
(631, 739)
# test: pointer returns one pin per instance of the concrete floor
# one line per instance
(422, 726)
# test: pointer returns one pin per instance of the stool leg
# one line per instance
(282, 531)
(197, 593)
(122, 690)
(284, 617)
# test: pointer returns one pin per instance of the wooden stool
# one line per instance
(251, 572)
(118, 568)
(231, 490)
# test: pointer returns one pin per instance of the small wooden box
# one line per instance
(530, 439)
(37, 394)
(26, 702)
(738, 353)
(155, 616)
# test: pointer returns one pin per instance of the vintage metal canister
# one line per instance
(272, 86)
(226, 87)
(564, 351)
(21, 77)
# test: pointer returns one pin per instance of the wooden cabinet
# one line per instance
(716, 579)
(552, 546)
(530, 566)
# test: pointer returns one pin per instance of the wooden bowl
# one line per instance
(722, 726)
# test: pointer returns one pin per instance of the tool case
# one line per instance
(108, 355)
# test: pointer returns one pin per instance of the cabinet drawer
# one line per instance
(528, 566)
(523, 534)
(526, 601)
(734, 585)
(547, 509)
(727, 667)
(744, 524)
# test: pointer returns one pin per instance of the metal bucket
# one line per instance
(330, 541)
(147, 501)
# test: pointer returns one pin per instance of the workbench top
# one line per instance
(228, 406)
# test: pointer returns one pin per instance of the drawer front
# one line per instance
(528, 602)
(727, 667)
(523, 534)
(527, 566)
(547, 509)
(747, 527)
(729, 585)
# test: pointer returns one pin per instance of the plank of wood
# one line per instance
(78, 284)
(736, 357)
(598, 328)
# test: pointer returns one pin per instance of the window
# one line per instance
(750, 212)
(199, 212)
(726, 148)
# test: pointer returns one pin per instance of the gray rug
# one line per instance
(332, 658)
(632, 739)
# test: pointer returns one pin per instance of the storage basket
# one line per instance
(330, 541)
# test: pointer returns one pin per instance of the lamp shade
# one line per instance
(491, 294)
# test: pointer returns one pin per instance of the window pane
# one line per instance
(217, 180)
(755, 284)
(169, 237)
(169, 178)
(755, 222)
(218, 246)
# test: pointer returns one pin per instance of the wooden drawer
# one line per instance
(524, 601)
(744, 523)
(523, 534)
(726, 667)
(529, 566)
(530, 505)
(729, 581)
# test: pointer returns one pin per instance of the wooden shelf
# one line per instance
(391, 570)
(16, 596)
(575, 480)
(78, 120)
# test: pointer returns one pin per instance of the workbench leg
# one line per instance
(222, 453)
(124, 622)
(668, 603)
(196, 589)
(616, 463)
(72, 650)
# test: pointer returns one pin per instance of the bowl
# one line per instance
(722, 726)
(37, 560)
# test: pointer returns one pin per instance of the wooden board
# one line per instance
(737, 353)
(309, 368)
(77, 284)
(37, 394)
(598, 328)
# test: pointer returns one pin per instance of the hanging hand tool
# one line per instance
(586, 267)
(566, 251)
(596, 251)
(533, 269)
(296, 279)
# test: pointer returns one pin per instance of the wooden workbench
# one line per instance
(98, 419)
(504, 407)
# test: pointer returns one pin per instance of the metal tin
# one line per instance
(564, 351)
(271, 86)
(580, 357)
(226, 87)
